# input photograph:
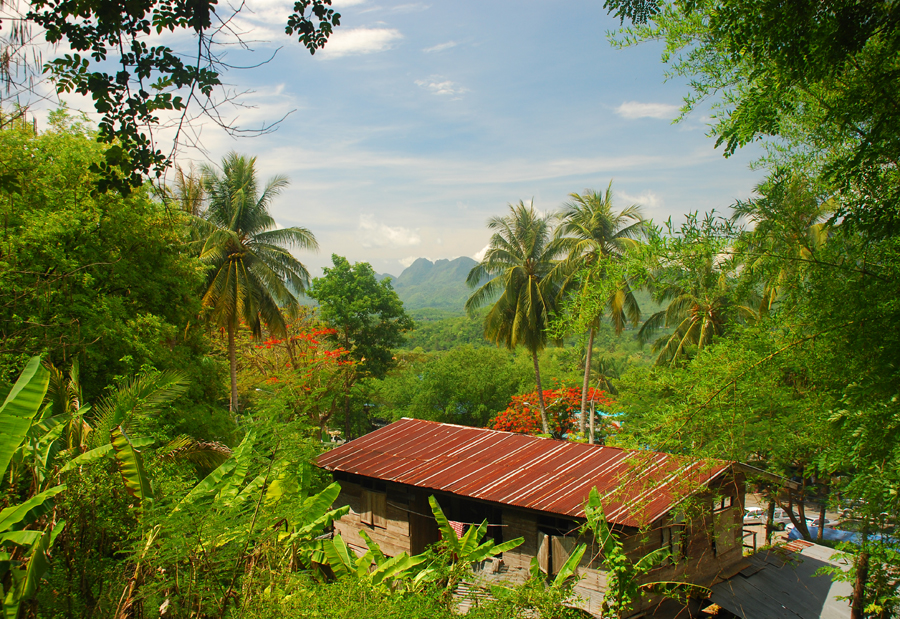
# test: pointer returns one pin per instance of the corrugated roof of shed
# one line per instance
(547, 475)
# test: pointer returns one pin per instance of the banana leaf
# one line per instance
(100, 452)
(131, 467)
(20, 407)
(28, 511)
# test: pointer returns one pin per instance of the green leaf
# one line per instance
(20, 407)
(570, 566)
(26, 512)
(448, 535)
(131, 467)
(100, 452)
(232, 483)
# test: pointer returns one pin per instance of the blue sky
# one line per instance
(419, 121)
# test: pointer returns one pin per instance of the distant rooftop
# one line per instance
(636, 487)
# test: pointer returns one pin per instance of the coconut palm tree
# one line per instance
(590, 231)
(519, 266)
(253, 277)
(700, 309)
(789, 225)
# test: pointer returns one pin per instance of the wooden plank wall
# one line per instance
(393, 537)
(520, 524)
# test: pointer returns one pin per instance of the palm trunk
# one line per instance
(232, 360)
(587, 380)
(545, 423)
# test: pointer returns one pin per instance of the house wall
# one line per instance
(710, 545)
(390, 529)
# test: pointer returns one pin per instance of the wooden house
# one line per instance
(535, 488)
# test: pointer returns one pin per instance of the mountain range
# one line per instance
(440, 284)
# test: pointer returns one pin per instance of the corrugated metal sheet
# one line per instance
(526, 471)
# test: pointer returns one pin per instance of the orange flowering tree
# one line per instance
(563, 404)
(307, 373)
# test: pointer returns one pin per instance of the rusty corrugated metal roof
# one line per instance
(525, 471)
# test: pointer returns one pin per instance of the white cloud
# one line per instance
(440, 47)
(646, 198)
(408, 261)
(374, 234)
(479, 256)
(445, 87)
(633, 109)
(360, 41)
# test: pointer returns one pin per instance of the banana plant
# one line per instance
(624, 575)
(24, 551)
(379, 571)
(461, 553)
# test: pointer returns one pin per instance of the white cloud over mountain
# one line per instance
(375, 234)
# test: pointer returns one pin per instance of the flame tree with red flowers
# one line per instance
(306, 374)
(523, 415)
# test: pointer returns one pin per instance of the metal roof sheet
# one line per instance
(636, 487)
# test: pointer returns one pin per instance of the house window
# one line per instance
(374, 509)
(722, 504)
(672, 537)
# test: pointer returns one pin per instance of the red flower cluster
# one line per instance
(523, 414)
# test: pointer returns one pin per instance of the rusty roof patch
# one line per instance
(636, 487)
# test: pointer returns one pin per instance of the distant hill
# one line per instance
(440, 284)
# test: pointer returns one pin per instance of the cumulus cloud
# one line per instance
(634, 109)
(408, 261)
(375, 234)
(646, 198)
(479, 256)
(440, 47)
(360, 41)
(445, 87)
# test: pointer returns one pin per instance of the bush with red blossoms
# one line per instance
(523, 415)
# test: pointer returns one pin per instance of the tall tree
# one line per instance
(253, 276)
(367, 315)
(590, 231)
(520, 266)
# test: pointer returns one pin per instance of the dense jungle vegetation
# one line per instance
(165, 390)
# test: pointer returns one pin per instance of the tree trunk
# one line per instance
(545, 423)
(232, 360)
(858, 602)
(586, 383)
(799, 523)
(820, 534)
(770, 522)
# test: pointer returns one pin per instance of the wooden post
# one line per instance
(591, 441)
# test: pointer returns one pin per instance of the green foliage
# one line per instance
(444, 330)
(24, 554)
(97, 279)
(367, 314)
(464, 385)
